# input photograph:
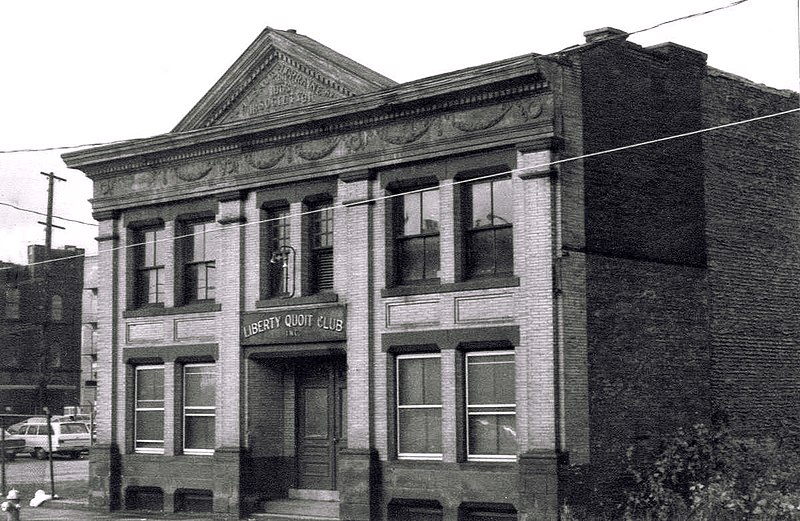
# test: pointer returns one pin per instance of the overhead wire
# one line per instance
(15, 207)
(389, 196)
(456, 182)
(235, 123)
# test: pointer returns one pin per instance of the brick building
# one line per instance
(40, 331)
(88, 394)
(422, 300)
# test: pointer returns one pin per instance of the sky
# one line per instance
(93, 71)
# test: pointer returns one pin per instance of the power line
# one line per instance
(488, 176)
(42, 213)
(225, 125)
(688, 16)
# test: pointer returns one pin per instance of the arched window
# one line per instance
(57, 308)
(12, 303)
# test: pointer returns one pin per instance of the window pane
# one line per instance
(491, 380)
(150, 425)
(481, 204)
(504, 250)
(502, 199)
(420, 431)
(149, 248)
(150, 384)
(211, 242)
(412, 213)
(431, 257)
(200, 385)
(152, 281)
(492, 434)
(199, 432)
(57, 308)
(322, 227)
(419, 381)
(153, 249)
(198, 242)
(481, 253)
(211, 281)
(430, 211)
(315, 418)
(74, 428)
(411, 259)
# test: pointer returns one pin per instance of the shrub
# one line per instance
(704, 473)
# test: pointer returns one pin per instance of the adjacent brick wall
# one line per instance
(753, 234)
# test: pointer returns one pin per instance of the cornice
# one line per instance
(470, 87)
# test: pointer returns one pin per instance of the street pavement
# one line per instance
(53, 511)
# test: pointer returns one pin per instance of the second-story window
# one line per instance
(149, 260)
(199, 250)
(417, 237)
(489, 243)
(280, 270)
(321, 230)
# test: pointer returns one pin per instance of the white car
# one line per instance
(69, 438)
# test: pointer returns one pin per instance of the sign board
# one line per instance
(326, 324)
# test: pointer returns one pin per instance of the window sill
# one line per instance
(320, 298)
(198, 307)
(468, 285)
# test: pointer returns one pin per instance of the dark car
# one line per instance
(12, 445)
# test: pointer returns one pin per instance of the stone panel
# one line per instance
(144, 332)
(487, 308)
(194, 329)
(424, 312)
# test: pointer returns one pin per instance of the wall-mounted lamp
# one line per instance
(285, 257)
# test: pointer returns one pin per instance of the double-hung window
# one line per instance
(491, 406)
(149, 259)
(199, 250)
(489, 243)
(280, 267)
(199, 408)
(321, 231)
(149, 409)
(417, 237)
(419, 407)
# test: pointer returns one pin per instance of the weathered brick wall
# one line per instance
(646, 312)
(649, 359)
(753, 234)
(643, 202)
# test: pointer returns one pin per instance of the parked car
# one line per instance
(12, 445)
(14, 429)
(69, 438)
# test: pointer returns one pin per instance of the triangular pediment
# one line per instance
(281, 70)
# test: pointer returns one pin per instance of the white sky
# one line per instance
(90, 71)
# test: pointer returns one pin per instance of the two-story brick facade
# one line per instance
(420, 301)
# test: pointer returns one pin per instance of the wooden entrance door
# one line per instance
(320, 388)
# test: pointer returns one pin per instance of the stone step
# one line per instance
(298, 509)
(317, 495)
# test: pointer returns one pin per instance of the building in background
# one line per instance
(89, 337)
(440, 299)
(40, 331)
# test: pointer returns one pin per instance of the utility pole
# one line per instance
(48, 238)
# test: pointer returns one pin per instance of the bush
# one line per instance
(704, 473)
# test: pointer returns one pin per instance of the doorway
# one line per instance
(321, 402)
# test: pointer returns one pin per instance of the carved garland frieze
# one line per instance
(273, 156)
